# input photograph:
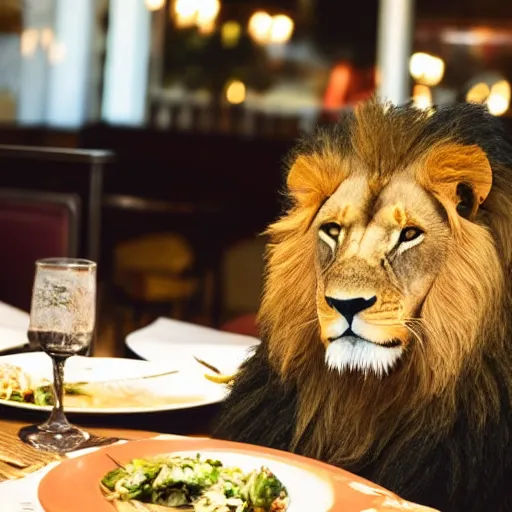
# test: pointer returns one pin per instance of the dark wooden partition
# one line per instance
(61, 170)
(242, 174)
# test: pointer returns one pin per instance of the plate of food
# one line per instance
(104, 385)
(207, 475)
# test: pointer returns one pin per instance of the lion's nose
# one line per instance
(350, 307)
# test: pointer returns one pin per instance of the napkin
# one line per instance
(13, 327)
(18, 459)
(178, 332)
(14, 318)
(179, 342)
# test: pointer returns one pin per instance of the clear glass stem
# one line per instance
(57, 422)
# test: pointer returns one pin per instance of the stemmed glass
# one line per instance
(62, 320)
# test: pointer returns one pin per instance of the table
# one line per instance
(196, 421)
(13, 426)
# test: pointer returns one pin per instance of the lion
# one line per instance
(385, 319)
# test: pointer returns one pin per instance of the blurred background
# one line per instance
(149, 135)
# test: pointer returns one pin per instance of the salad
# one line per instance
(17, 386)
(187, 483)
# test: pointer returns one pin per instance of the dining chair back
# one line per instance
(33, 225)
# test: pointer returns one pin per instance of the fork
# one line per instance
(208, 365)
(122, 379)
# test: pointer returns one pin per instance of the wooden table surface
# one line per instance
(195, 421)
(14, 426)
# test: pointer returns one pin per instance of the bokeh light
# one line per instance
(236, 92)
(266, 29)
(426, 69)
(154, 5)
(478, 93)
(422, 97)
(498, 101)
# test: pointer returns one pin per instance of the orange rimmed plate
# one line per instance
(312, 486)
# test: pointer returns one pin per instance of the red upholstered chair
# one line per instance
(245, 324)
(33, 225)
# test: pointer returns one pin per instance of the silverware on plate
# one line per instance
(219, 377)
(122, 379)
(208, 365)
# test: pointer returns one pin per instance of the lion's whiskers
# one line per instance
(417, 336)
(407, 322)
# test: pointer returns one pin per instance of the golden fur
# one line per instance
(450, 327)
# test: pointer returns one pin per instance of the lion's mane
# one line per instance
(438, 429)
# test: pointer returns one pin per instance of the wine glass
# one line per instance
(62, 320)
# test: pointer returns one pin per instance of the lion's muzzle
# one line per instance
(348, 308)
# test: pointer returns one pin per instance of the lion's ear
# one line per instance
(459, 174)
(313, 178)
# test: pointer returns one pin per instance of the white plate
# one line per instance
(312, 485)
(178, 342)
(185, 389)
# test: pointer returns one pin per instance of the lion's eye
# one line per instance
(409, 234)
(331, 229)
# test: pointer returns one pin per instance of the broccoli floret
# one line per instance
(112, 477)
(262, 488)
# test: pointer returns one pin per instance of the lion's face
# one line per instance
(383, 249)
(378, 254)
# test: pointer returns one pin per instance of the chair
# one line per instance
(62, 171)
(154, 275)
(162, 260)
(243, 271)
(33, 225)
(244, 324)
(243, 285)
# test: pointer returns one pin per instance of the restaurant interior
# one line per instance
(151, 137)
